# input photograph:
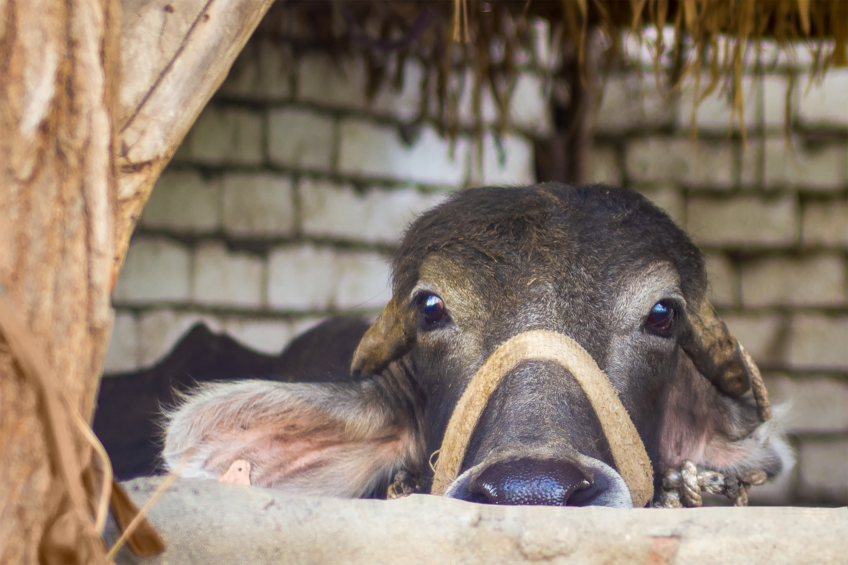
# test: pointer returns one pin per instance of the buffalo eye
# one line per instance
(431, 310)
(660, 320)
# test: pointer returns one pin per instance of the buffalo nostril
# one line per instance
(531, 482)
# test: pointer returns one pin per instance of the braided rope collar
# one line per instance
(627, 449)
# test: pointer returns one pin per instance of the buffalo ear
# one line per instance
(721, 358)
(391, 336)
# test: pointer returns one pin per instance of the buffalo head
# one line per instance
(599, 265)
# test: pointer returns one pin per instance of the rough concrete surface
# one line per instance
(206, 522)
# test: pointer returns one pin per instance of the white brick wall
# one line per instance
(257, 204)
(301, 139)
(815, 168)
(376, 216)
(377, 151)
(823, 104)
(261, 73)
(155, 270)
(227, 279)
(810, 281)
(224, 135)
(742, 221)
(301, 278)
(184, 202)
(516, 167)
(632, 102)
(310, 278)
(819, 342)
(715, 113)
(676, 159)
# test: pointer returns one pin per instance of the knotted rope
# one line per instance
(627, 449)
(683, 487)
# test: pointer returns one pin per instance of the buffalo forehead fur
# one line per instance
(587, 261)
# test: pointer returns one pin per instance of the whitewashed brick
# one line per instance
(818, 404)
(377, 216)
(668, 198)
(159, 331)
(337, 84)
(183, 201)
(265, 336)
(122, 354)
(403, 104)
(530, 107)
(363, 281)
(742, 221)
(343, 85)
(639, 49)
(782, 281)
(603, 166)
(518, 166)
(819, 342)
(463, 84)
(308, 277)
(262, 72)
(300, 138)
(809, 167)
(764, 103)
(372, 150)
(155, 270)
(257, 204)
(751, 163)
(824, 472)
(632, 102)
(774, 91)
(224, 136)
(825, 103)
(547, 55)
(786, 56)
(677, 159)
(723, 281)
(825, 223)
(760, 334)
(302, 278)
(224, 278)
(715, 112)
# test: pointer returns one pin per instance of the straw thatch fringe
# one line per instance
(477, 47)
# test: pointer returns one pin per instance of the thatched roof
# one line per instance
(495, 38)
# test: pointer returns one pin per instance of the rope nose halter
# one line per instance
(628, 451)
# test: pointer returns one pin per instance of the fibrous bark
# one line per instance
(80, 152)
(58, 80)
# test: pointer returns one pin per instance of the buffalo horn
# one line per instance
(715, 352)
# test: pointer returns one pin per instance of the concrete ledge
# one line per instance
(207, 522)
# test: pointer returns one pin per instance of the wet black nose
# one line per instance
(530, 482)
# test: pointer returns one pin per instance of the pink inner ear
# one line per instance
(304, 450)
(690, 428)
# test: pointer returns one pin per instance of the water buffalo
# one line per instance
(599, 265)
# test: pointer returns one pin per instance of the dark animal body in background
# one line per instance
(601, 265)
(129, 405)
